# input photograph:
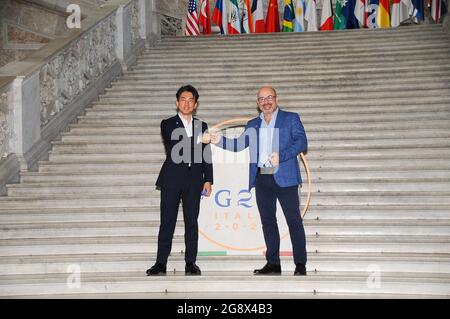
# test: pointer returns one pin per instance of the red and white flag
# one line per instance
(311, 15)
(192, 27)
(272, 18)
(234, 18)
(326, 19)
(205, 20)
(361, 12)
(258, 17)
(400, 11)
(438, 9)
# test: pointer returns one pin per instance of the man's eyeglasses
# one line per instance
(268, 98)
(188, 100)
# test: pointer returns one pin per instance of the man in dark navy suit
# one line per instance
(274, 138)
(186, 174)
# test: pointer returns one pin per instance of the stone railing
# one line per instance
(6, 115)
(70, 72)
(171, 26)
(42, 94)
(446, 24)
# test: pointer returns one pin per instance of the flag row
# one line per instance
(301, 15)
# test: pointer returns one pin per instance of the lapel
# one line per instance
(280, 118)
(257, 127)
(179, 124)
(196, 127)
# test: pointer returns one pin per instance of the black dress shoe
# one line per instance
(300, 270)
(192, 269)
(157, 269)
(268, 269)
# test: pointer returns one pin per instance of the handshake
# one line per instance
(213, 138)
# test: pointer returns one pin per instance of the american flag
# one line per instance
(192, 19)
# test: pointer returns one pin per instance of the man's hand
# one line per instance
(207, 188)
(206, 138)
(216, 137)
(274, 159)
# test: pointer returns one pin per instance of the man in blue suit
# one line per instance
(275, 139)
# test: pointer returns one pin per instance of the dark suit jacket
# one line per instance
(183, 152)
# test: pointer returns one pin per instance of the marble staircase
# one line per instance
(376, 109)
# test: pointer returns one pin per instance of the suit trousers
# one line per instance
(170, 201)
(267, 193)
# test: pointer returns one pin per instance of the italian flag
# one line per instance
(326, 19)
(234, 20)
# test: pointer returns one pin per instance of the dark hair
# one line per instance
(188, 88)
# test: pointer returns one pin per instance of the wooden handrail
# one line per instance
(242, 121)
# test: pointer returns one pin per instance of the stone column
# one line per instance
(123, 47)
(155, 24)
(150, 22)
(27, 117)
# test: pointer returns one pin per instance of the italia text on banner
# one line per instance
(192, 27)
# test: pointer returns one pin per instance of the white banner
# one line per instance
(229, 221)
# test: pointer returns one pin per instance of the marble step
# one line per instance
(252, 56)
(150, 228)
(227, 284)
(308, 120)
(155, 135)
(78, 128)
(100, 106)
(316, 165)
(148, 186)
(327, 46)
(138, 176)
(145, 199)
(58, 157)
(316, 73)
(326, 262)
(313, 147)
(429, 73)
(151, 213)
(347, 35)
(145, 244)
(305, 96)
(210, 109)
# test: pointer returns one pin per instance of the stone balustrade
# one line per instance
(42, 94)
